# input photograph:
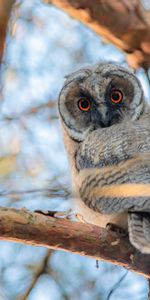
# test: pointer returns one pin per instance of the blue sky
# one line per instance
(43, 45)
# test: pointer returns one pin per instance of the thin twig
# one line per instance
(41, 269)
(49, 192)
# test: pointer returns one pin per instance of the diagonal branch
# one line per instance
(124, 23)
(31, 228)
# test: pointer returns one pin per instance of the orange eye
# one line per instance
(116, 96)
(84, 104)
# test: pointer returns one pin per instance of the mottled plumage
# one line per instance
(107, 136)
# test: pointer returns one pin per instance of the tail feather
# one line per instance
(139, 231)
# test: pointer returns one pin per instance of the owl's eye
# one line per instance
(116, 96)
(84, 104)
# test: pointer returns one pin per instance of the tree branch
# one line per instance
(36, 229)
(124, 23)
(5, 10)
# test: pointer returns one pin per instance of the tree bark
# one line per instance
(5, 10)
(124, 23)
(26, 227)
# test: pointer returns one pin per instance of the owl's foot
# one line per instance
(117, 229)
(56, 214)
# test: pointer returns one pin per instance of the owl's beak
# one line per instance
(105, 120)
(100, 121)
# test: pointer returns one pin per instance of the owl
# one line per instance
(106, 128)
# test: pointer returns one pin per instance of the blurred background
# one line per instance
(42, 45)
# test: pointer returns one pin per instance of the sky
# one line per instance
(43, 45)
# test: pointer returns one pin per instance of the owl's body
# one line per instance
(79, 207)
(107, 137)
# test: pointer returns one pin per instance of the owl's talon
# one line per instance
(56, 214)
(68, 214)
(116, 228)
(50, 213)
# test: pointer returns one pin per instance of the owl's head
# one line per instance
(97, 97)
